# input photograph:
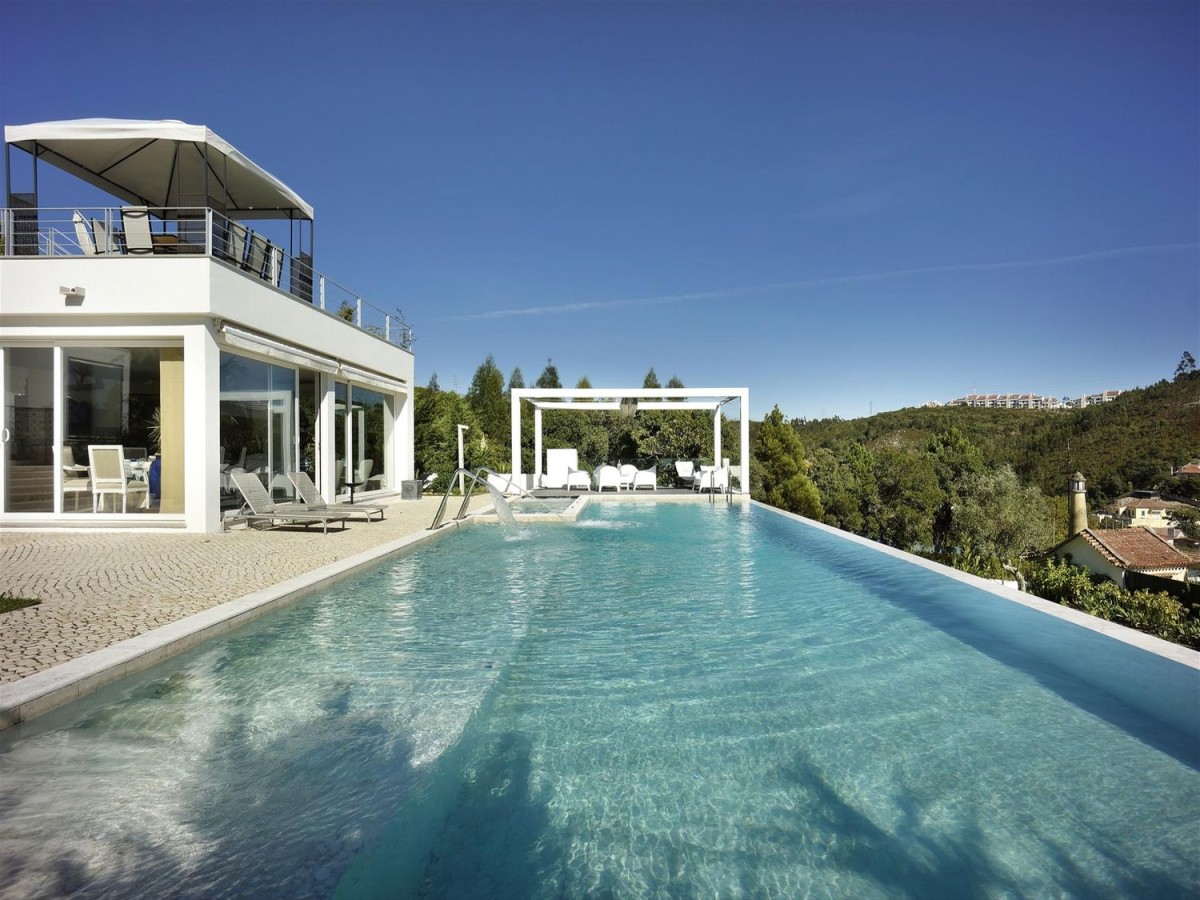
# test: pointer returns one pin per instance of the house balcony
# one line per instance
(138, 234)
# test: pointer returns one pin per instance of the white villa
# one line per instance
(184, 322)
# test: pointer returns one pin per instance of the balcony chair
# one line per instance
(106, 244)
(235, 244)
(83, 235)
(135, 220)
(627, 472)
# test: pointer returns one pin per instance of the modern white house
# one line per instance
(184, 322)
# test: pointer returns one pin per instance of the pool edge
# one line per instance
(43, 691)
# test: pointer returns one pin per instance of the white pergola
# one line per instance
(628, 400)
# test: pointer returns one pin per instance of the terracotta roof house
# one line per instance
(1114, 552)
(1190, 470)
(1153, 512)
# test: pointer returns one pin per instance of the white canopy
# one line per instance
(594, 399)
(140, 161)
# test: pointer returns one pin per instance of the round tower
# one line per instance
(1076, 504)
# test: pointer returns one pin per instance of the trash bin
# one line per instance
(410, 490)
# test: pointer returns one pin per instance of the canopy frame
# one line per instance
(609, 399)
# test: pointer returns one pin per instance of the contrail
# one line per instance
(727, 293)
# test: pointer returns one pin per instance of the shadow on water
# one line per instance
(497, 839)
(278, 814)
(1077, 664)
(912, 860)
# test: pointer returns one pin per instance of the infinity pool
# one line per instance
(663, 700)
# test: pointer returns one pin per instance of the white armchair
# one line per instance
(608, 476)
(645, 478)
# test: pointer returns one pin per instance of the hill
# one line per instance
(1132, 442)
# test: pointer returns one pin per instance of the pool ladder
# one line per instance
(473, 478)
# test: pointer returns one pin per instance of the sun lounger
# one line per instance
(264, 509)
(313, 500)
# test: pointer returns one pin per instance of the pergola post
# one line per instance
(537, 446)
(717, 436)
(744, 458)
(516, 434)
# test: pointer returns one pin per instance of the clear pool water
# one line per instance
(659, 701)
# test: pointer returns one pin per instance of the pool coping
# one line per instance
(43, 691)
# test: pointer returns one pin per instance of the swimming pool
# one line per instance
(662, 699)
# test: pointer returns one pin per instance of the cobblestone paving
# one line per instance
(98, 588)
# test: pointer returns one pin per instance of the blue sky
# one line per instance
(845, 206)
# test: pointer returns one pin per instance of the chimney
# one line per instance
(1077, 519)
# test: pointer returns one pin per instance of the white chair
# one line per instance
(274, 264)
(83, 234)
(563, 472)
(75, 476)
(645, 478)
(628, 472)
(258, 254)
(136, 222)
(712, 479)
(608, 476)
(684, 470)
(235, 243)
(105, 245)
(108, 476)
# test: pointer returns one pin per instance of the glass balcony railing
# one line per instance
(192, 231)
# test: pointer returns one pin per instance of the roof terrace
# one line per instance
(187, 193)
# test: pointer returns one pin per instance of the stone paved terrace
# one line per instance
(100, 587)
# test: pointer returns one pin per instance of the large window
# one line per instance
(118, 417)
(361, 434)
(258, 425)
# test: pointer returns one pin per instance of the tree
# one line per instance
(1187, 519)
(1186, 367)
(516, 380)
(675, 382)
(1000, 517)
(954, 459)
(584, 384)
(835, 483)
(908, 496)
(487, 400)
(549, 376)
(433, 383)
(651, 379)
(778, 475)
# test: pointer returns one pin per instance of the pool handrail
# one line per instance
(476, 477)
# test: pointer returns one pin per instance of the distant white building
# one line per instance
(1030, 401)
(183, 322)
(1007, 401)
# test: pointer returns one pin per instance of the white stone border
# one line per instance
(43, 691)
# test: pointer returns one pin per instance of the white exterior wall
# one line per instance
(184, 300)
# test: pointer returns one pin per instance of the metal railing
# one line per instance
(473, 478)
(192, 231)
